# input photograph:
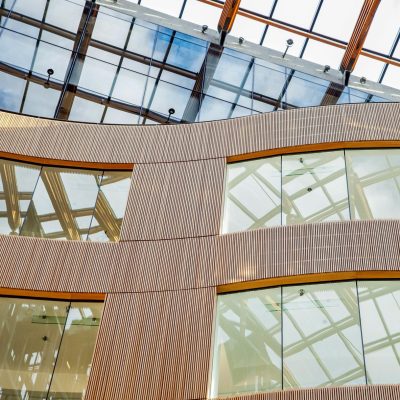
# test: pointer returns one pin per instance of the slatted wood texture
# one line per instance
(155, 337)
(152, 144)
(381, 392)
(153, 346)
(175, 200)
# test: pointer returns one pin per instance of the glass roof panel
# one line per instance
(259, 6)
(201, 13)
(111, 27)
(171, 7)
(31, 8)
(276, 39)
(247, 28)
(392, 77)
(369, 68)
(337, 19)
(387, 16)
(299, 12)
(324, 54)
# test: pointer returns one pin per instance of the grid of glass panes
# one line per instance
(320, 17)
(330, 334)
(129, 71)
(62, 203)
(312, 187)
(47, 347)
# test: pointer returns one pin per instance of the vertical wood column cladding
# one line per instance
(175, 200)
(153, 346)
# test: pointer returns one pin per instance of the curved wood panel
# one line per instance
(70, 141)
(161, 280)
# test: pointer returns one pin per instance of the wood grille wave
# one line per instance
(155, 336)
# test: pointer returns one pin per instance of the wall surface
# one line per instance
(161, 280)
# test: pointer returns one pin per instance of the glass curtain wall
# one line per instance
(312, 187)
(108, 67)
(317, 335)
(62, 203)
(47, 348)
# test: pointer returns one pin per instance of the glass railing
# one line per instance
(312, 187)
(319, 335)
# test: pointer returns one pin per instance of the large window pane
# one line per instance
(30, 332)
(252, 195)
(314, 188)
(17, 184)
(110, 206)
(321, 336)
(75, 358)
(374, 179)
(63, 204)
(247, 350)
(380, 321)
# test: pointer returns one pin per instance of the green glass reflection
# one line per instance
(110, 206)
(252, 195)
(321, 336)
(314, 188)
(63, 204)
(374, 183)
(75, 356)
(30, 332)
(247, 349)
(17, 184)
(380, 321)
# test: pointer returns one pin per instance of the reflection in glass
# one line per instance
(374, 179)
(30, 332)
(110, 206)
(321, 336)
(46, 344)
(17, 184)
(380, 321)
(61, 197)
(75, 357)
(314, 188)
(252, 195)
(247, 349)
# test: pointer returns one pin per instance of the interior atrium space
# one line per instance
(199, 199)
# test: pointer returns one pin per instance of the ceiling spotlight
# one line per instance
(171, 111)
(241, 40)
(289, 43)
(204, 28)
(363, 80)
(50, 72)
(327, 68)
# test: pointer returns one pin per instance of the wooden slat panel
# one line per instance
(303, 249)
(174, 200)
(153, 346)
(152, 144)
(378, 392)
(140, 266)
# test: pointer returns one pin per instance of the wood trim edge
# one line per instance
(306, 148)
(66, 163)
(10, 292)
(307, 278)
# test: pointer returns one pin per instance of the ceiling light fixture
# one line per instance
(289, 43)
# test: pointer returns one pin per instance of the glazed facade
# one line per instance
(166, 290)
